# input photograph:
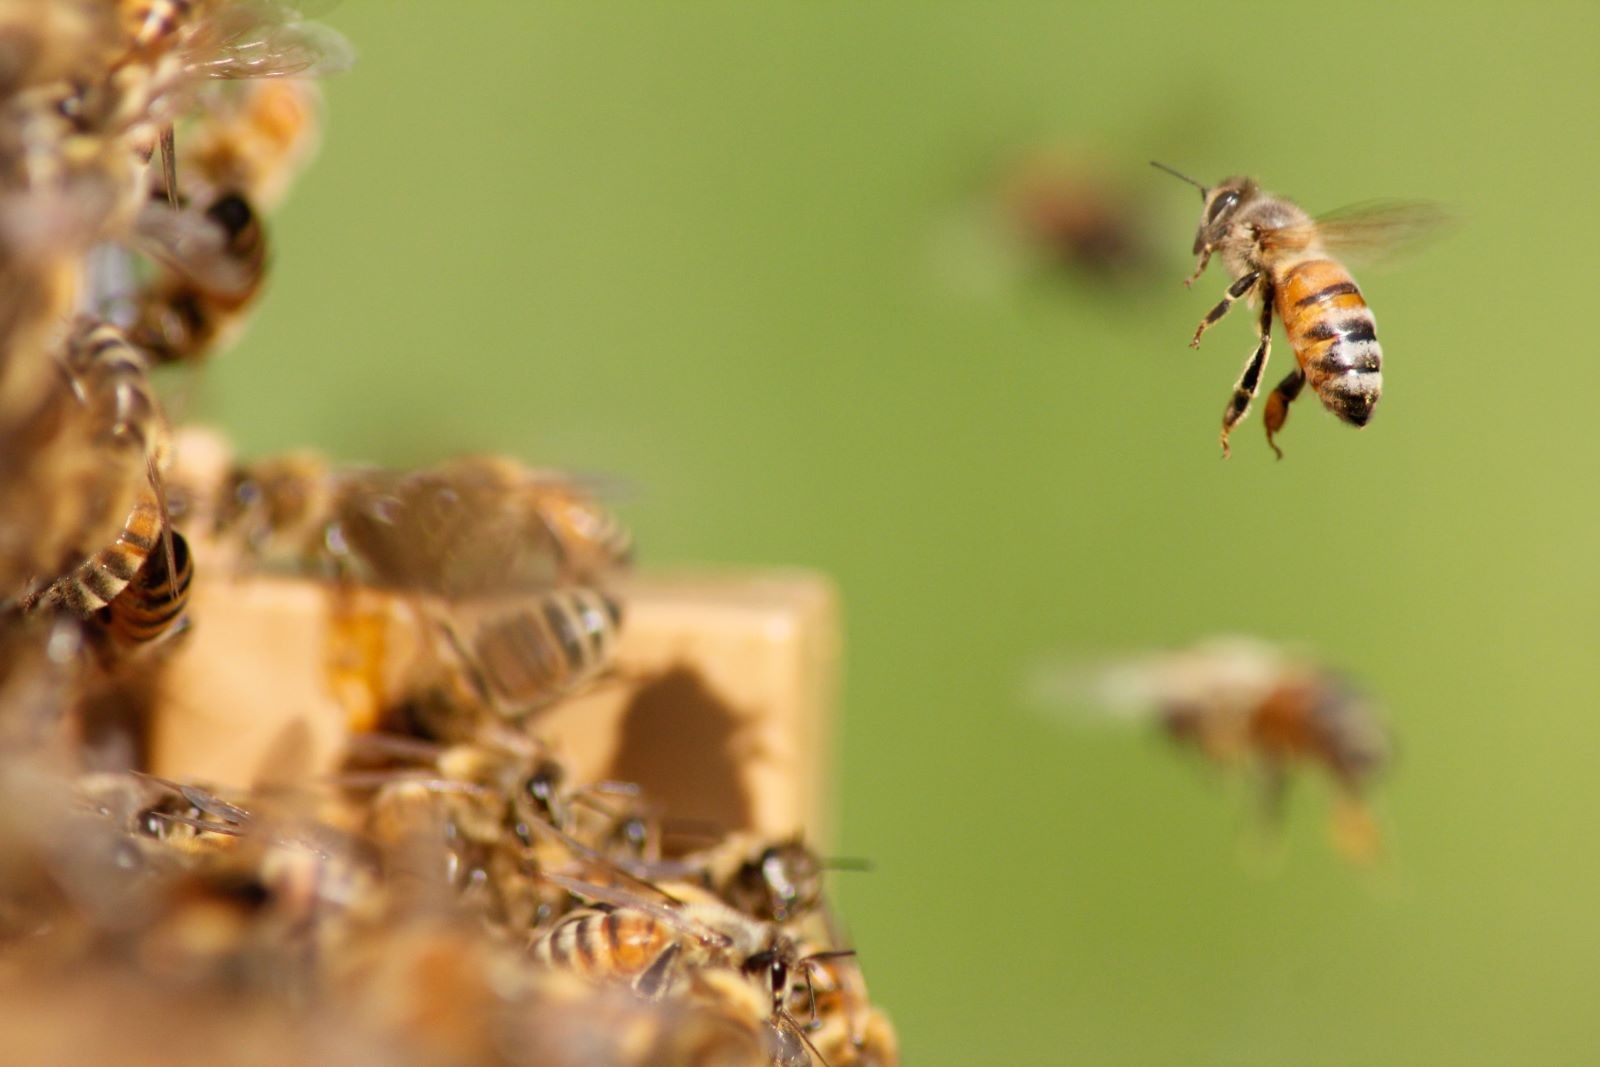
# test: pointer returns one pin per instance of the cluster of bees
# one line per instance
(450, 896)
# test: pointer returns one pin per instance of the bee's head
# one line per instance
(1220, 203)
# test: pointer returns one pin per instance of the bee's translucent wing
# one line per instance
(265, 40)
(1374, 231)
(1143, 688)
(1088, 691)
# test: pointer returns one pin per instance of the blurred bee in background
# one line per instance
(207, 240)
(462, 528)
(519, 655)
(1047, 212)
(1281, 259)
(504, 560)
(179, 44)
(1239, 700)
(1078, 216)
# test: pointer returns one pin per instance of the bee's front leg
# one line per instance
(1235, 291)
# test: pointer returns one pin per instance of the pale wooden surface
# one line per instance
(721, 704)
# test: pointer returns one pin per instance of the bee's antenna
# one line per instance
(1179, 174)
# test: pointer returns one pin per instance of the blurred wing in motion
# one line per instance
(1373, 232)
(1225, 670)
(1090, 691)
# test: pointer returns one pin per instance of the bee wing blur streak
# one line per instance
(1373, 231)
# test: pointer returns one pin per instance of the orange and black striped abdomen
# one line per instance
(625, 944)
(153, 603)
(1334, 336)
(549, 647)
(101, 578)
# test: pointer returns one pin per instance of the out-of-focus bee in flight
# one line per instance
(461, 528)
(207, 242)
(507, 561)
(1048, 215)
(1281, 259)
(183, 43)
(1242, 701)
(1075, 216)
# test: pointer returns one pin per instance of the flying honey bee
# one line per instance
(1241, 701)
(208, 240)
(503, 560)
(1283, 259)
(462, 528)
(1076, 217)
(521, 654)
(179, 44)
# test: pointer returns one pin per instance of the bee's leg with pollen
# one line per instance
(1244, 390)
(1235, 291)
(1278, 405)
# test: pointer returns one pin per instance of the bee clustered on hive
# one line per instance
(444, 889)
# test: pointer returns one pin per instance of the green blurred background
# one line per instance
(727, 252)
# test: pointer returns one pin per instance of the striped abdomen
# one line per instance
(621, 945)
(152, 605)
(547, 647)
(101, 578)
(113, 379)
(1333, 335)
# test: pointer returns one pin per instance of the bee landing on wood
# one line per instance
(1283, 260)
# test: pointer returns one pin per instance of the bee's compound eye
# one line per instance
(1222, 205)
(231, 212)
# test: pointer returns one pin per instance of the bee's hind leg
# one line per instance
(1244, 391)
(1278, 405)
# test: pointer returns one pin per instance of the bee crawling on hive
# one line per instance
(682, 940)
(1243, 701)
(133, 570)
(1283, 260)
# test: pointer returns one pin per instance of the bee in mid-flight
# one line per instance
(1283, 259)
(1244, 702)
